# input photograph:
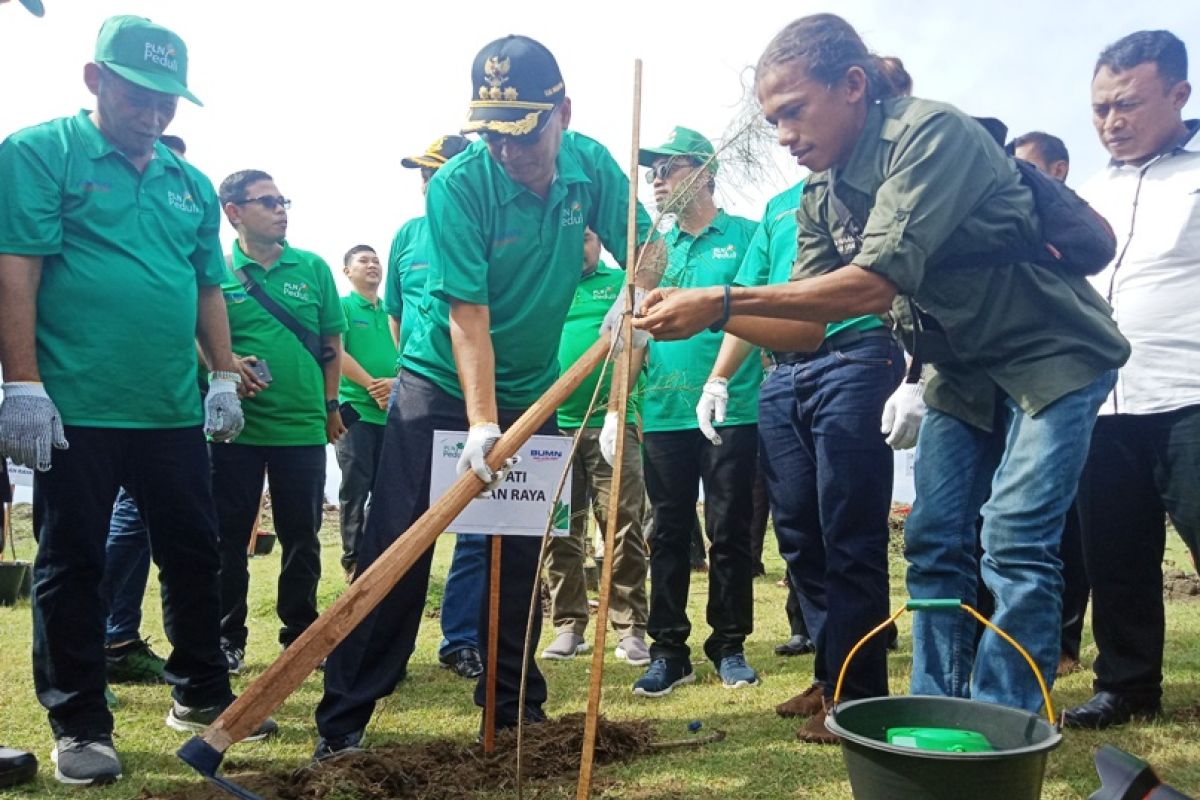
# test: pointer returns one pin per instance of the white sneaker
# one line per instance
(565, 646)
(634, 650)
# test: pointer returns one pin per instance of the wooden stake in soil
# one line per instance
(278, 681)
(620, 389)
(493, 642)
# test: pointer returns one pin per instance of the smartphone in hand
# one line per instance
(261, 370)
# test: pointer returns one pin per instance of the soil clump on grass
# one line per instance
(442, 769)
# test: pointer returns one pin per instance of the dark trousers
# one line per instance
(166, 472)
(1140, 468)
(675, 464)
(758, 522)
(1075, 584)
(358, 457)
(795, 613)
(296, 477)
(369, 663)
(829, 474)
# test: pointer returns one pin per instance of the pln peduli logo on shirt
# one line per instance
(572, 214)
(297, 291)
(182, 202)
(728, 251)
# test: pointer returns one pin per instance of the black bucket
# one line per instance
(1012, 770)
(881, 771)
(15, 581)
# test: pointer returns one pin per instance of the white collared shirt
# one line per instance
(1153, 284)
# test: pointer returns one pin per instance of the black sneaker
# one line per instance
(85, 761)
(464, 663)
(336, 746)
(134, 662)
(16, 767)
(235, 657)
(189, 719)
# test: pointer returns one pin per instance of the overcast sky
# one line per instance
(328, 97)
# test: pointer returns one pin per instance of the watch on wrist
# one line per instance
(331, 405)
(219, 375)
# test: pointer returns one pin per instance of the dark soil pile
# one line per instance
(442, 769)
(1180, 585)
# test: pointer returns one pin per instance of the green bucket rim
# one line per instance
(848, 736)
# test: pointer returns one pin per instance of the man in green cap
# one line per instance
(408, 267)
(506, 226)
(591, 482)
(704, 248)
(110, 268)
(275, 294)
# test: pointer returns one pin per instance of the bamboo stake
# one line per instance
(281, 679)
(620, 386)
(493, 642)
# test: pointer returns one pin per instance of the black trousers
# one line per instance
(675, 464)
(166, 471)
(296, 477)
(369, 663)
(358, 458)
(1139, 469)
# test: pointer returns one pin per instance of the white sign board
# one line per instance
(903, 489)
(520, 505)
(19, 476)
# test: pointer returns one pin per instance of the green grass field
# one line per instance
(759, 758)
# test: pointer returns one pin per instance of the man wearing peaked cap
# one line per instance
(408, 267)
(506, 221)
(110, 271)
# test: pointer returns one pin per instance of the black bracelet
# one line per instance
(719, 325)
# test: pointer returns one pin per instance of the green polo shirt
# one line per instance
(122, 253)
(369, 340)
(677, 371)
(932, 191)
(594, 296)
(772, 252)
(291, 411)
(493, 242)
(408, 266)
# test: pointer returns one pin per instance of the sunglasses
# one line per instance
(660, 172)
(269, 202)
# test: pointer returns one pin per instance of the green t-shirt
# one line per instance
(408, 266)
(676, 371)
(493, 242)
(594, 295)
(291, 411)
(936, 199)
(369, 340)
(123, 255)
(772, 252)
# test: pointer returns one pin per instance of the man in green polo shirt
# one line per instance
(275, 293)
(591, 483)
(506, 224)
(704, 248)
(408, 267)
(110, 268)
(368, 372)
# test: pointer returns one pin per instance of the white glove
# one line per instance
(711, 407)
(223, 418)
(480, 441)
(612, 320)
(902, 415)
(608, 437)
(29, 425)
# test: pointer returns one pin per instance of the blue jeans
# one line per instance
(1032, 465)
(829, 477)
(461, 597)
(126, 570)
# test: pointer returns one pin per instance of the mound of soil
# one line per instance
(1180, 585)
(441, 769)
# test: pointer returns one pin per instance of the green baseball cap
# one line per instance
(681, 142)
(35, 7)
(145, 54)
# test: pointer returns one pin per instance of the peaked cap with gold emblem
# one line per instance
(515, 83)
(442, 150)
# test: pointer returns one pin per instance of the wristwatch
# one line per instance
(331, 405)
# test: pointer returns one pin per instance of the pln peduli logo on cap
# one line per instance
(144, 54)
(516, 85)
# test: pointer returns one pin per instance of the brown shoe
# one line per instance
(815, 732)
(805, 704)
(1068, 666)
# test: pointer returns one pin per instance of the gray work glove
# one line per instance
(612, 320)
(223, 418)
(29, 425)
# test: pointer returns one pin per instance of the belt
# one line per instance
(837, 341)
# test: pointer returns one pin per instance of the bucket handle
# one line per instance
(937, 605)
